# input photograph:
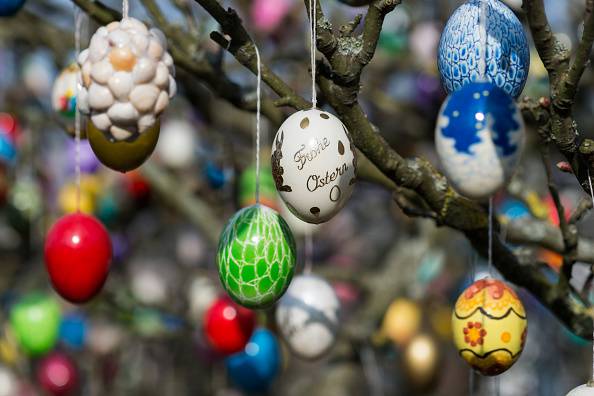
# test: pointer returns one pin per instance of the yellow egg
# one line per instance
(421, 357)
(489, 326)
(68, 196)
(401, 321)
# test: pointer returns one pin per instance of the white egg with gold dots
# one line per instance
(314, 165)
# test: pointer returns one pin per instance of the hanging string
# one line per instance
(471, 382)
(312, 35)
(591, 382)
(125, 9)
(490, 256)
(308, 252)
(483, 33)
(78, 19)
(258, 107)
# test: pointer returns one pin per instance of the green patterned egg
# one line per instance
(256, 256)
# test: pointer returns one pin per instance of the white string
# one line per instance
(258, 106)
(78, 18)
(592, 196)
(483, 33)
(490, 257)
(308, 252)
(125, 9)
(312, 33)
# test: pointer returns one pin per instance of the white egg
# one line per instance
(582, 390)
(202, 292)
(8, 382)
(64, 92)
(177, 144)
(479, 139)
(307, 316)
(314, 165)
(126, 62)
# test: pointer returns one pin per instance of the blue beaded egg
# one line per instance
(479, 138)
(507, 56)
(10, 7)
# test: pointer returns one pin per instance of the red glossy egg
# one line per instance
(77, 256)
(228, 326)
(57, 375)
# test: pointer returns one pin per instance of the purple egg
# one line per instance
(88, 161)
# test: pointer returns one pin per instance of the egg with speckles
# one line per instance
(479, 139)
(461, 49)
(314, 165)
(489, 325)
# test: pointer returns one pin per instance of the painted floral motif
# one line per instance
(474, 334)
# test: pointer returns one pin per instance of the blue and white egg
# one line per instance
(479, 139)
(460, 48)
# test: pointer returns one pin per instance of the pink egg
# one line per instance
(267, 15)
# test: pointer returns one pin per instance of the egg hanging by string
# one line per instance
(256, 256)
(489, 325)
(314, 165)
(58, 375)
(78, 255)
(507, 57)
(479, 139)
(127, 82)
(307, 316)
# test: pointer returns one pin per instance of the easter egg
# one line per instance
(268, 15)
(582, 390)
(489, 326)
(177, 144)
(35, 321)
(201, 293)
(10, 7)
(421, 358)
(87, 160)
(228, 326)
(8, 382)
(73, 330)
(57, 375)
(247, 187)
(123, 155)
(507, 54)
(256, 256)
(26, 196)
(307, 316)
(402, 321)
(64, 92)
(127, 79)
(77, 257)
(479, 138)
(10, 127)
(314, 165)
(255, 368)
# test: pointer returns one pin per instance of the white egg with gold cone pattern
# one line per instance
(314, 165)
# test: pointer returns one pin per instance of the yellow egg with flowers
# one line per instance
(489, 326)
